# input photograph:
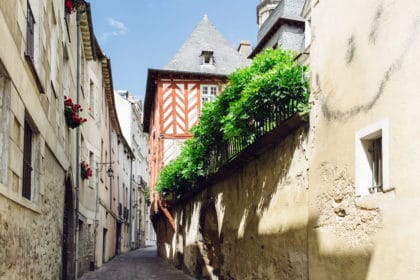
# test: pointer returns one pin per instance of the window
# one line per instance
(372, 159)
(91, 164)
(27, 161)
(30, 34)
(207, 57)
(92, 98)
(82, 70)
(53, 48)
(208, 93)
(375, 151)
(32, 47)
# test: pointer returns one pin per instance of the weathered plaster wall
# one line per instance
(31, 241)
(364, 63)
(248, 225)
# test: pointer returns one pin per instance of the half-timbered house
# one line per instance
(176, 93)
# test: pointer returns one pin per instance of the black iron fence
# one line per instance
(266, 120)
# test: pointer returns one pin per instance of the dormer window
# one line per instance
(207, 57)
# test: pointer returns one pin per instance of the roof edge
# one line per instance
(110, 98)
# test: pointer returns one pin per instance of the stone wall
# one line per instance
(251, 224)
(32, 240)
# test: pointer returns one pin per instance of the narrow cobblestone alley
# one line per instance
(142, 264)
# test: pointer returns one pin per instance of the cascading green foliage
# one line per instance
(273, 78)
(147, 194)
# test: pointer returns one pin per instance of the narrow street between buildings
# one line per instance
(137, 265)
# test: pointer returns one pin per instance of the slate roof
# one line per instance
(287, 11)
(206, 37)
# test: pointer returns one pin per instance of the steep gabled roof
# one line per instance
(206, 37)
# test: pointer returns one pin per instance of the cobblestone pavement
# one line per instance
(137, 265)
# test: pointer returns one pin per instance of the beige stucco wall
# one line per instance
(364, 62)
(249, 225)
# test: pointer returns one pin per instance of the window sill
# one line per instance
(375, 200)
(16, 198)
(35, 74)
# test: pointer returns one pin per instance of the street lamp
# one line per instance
(109, 171)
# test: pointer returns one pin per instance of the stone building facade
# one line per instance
(112, 216)
(35, 159)
(38, 166)
(130, 113)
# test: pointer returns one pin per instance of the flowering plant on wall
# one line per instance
(85, 170)
(71, 113)
(73, 5)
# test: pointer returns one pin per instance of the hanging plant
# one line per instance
(71, 113)
(69, 4)
(85, 170)
(74, 5)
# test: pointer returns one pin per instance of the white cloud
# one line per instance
(117, 28)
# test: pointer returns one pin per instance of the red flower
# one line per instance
(69, 6)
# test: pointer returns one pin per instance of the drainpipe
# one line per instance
(110, 160)
(96, 215)
(131, 197)
(76, 257)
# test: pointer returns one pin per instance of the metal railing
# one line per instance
(268, 118)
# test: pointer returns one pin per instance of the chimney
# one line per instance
(244, 48)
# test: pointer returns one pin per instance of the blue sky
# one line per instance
(142, 34)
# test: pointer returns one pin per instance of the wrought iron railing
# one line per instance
(269, 118)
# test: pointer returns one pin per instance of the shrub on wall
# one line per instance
(272, 83)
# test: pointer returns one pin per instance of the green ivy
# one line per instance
(273, 78)
(147, 194)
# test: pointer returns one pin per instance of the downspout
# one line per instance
(131, 197)
(110, 160)
(76, 255)
(96, 217)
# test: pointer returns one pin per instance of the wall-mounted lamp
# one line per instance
(109, 171)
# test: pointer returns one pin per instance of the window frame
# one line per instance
(30, 53)
(207, 58)
(28, 168)
(30, 33)
(364, 168)
(208, 88)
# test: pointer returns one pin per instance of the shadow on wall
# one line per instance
(254, 224)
